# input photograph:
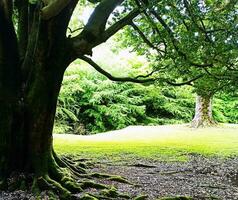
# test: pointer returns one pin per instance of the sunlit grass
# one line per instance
(173, 142)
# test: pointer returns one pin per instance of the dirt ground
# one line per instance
(200, 178)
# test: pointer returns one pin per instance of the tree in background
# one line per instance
(190, 39)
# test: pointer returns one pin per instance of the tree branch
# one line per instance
(174, 42)
(120, 24)
(113, 78)
(97, 21)
(92, 34)
(135, 79)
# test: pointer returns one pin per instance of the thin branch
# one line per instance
(189, 82)
(73, 31)
(147, 75)
(145, 39)
(174, 42)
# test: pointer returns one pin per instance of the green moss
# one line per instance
(3, 184)
(72, 186)
(88, 197)
(113, 193)
(119, 179)
(91, 184)
(23, 185)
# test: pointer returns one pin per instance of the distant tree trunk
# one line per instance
(203, 112)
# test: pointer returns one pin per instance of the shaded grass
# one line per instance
(169, 142)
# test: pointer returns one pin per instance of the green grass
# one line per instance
(169, 142)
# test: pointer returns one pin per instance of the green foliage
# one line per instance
(89, 103)
(169, 104)
(192, 38)
(226, 108)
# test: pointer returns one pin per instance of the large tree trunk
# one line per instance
(30, 81)
(29, 89)
(203, 112)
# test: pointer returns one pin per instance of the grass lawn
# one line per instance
(167, 142)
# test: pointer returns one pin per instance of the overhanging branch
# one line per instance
(113, 78)
(137, 78)
(94, 32)
(98, 19)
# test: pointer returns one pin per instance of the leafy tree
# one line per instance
(225, 107)
(190, 39)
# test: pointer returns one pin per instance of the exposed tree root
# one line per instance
(64, 178)
(143, 165)
(141, 197)
(107, 177)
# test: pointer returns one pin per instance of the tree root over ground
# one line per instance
(67, 179)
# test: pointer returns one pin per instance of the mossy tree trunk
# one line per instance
(203, 111)
(32, 65)
(30, 83)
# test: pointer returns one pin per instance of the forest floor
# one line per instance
(159, 161)
(200, 177)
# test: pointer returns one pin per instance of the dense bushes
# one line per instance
(226, 107)
(89, 103)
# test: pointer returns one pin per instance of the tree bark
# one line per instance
(203, 112)
(9, 86)
(29, 89)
